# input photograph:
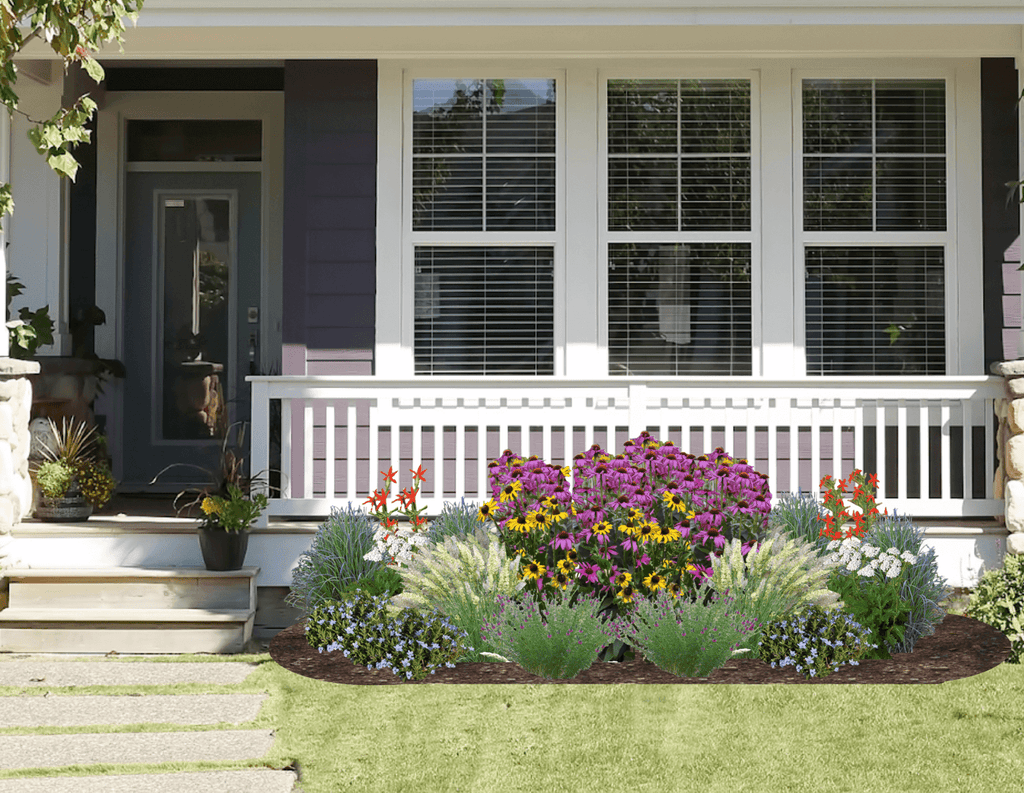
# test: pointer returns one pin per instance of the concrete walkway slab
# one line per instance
(50, 751)
(58, 674)
(78, 711)
(254, 780)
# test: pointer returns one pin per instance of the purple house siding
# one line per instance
(329, 216)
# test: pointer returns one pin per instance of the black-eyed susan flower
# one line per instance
(674, 501)
(519, 523)
(533, 570)
(623, 579)
(566, 565)
(509, 491)
(559, 581)
(602, 528)
(625, 595)
(635, 513)
(541, 520)
(572, 556)
(567, 472)
(674, 590)
(665, 534)
(486, 511)
(654, 582)
(645, 532)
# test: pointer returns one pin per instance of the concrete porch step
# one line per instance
(128, 610)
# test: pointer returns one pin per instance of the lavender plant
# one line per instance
(410, 644)
(558, 645)
(687, 639)
(814, 642)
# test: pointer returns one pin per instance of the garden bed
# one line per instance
(960, 647)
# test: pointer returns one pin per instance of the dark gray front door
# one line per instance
(192, 295)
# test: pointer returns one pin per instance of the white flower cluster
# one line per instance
(395, 543)
(851, 552)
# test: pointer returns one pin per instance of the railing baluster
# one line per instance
(838, 411)
(925, 452)
(773, 446)
(903, 472)
(438, 472)
(329, 483)
(815, 411)
(945, 474)
(881, 447)
(968, 449)
(482, 460)
(351, 450)
(286, 447)
(307, 450)
(858, 433)
(373, 447)
(460, 457)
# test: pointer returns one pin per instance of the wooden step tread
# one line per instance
(123, 615)
(126, 572)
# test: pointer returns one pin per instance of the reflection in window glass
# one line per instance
(679, 309)
(874, 155)
(196, 246)
(679, 155)
(875, 310)
(484, 310)
(483, 155)
(188, 140)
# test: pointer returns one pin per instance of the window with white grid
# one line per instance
(679, 226)
(484, 219)
(875, 225)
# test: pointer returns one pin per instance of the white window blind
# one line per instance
(483, 222)
(679, 227)
(875, 224)
(484, 310)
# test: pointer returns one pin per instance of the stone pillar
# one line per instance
(1010, 451)
(15, 484)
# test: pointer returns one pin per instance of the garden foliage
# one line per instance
(800, 516)
(409, 643)
(687, 639)
(456, 520)
(463, 578)
(781, 565)
(814, 642)
(998, 601)
(335, 562)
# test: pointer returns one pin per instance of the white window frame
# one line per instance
(403, 312)
(581, 238)
(963, 293)
(683, 71)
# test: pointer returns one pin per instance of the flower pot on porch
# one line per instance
(223, 550)
(71, 507)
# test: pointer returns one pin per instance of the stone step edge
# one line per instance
(26, 574)
(124, 615)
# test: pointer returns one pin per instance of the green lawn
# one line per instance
(965, 735)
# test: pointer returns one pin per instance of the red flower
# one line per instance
(390, 475)
(418, 474)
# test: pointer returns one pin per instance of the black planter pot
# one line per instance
(223, 550)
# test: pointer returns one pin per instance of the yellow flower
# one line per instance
(559, 581)
(602, 528)
(509, 491)
(486, 511)
(674, 501)
(645, 533)
(625, 594)
(209, 506)
(654, 581)
(533, 570)
(667, 534)
(539, 519)
(518, 523)
(567, 471)
(623, 579)
(566, 566)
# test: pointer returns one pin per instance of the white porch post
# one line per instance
(5, 177)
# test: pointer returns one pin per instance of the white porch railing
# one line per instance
(336, 433)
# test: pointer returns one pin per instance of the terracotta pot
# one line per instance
(223, 550)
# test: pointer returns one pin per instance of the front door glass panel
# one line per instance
(197, 244)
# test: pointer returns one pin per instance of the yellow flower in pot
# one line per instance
(74, 479)
(224, 527)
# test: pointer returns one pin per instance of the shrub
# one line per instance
(800, 516)
(462, 578)
(815, 642)
(334, 560)
(457, 519)
(998, 600)
(683, 638)
(647, 518)
(409, 643)
(557, 645)
(922, 587)
(782, 565)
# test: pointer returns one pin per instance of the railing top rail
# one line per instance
(942, 387)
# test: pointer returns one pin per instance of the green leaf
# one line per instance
(64, 164)
(6, 201)
(93, 69)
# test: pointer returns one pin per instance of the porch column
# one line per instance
(1010, 449)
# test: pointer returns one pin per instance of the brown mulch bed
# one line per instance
(960, 647)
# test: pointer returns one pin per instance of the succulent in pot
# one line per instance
(74, 478)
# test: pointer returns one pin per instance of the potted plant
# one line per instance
(224, 527)
(74, 479)
(228, 506)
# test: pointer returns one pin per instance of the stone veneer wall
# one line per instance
(1009, 484)
(15, 484)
